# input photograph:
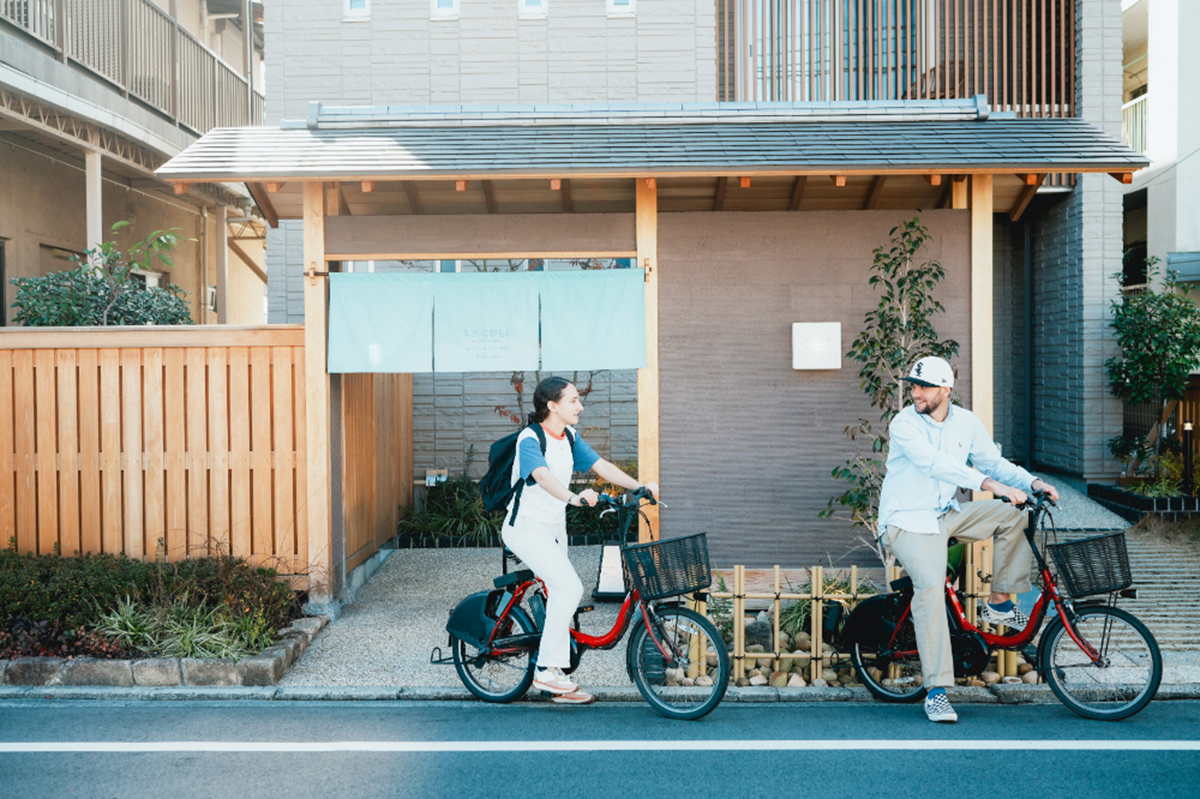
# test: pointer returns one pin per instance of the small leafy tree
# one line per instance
(897, 332)
(1158, 331)
(102, 291)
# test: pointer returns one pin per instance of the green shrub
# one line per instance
(102, 291)
(81, 594)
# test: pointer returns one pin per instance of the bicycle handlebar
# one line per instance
(1040, 500)
(631, 499)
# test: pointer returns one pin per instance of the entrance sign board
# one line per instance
(485, 322)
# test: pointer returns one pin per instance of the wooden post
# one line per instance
(958, 192)
(981, 298)
(316, 381)
(648, 418)
(222, 265)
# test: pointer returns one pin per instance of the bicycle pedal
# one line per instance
(585, 608)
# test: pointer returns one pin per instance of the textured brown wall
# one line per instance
(747, 442)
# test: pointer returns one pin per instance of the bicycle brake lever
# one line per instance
(604, 513)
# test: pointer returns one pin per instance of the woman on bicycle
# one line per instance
(537, 533)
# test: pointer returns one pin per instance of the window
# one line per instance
(532, 9)
(444, 9)
(149, 279)
(357, 9)
(622, 8)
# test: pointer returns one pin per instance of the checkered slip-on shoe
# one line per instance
(937, 708)
(1010, 617)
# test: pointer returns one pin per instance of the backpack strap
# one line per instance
(541, 436)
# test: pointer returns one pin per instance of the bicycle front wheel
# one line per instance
(497, 678)
(1127, 675)
(690, 680)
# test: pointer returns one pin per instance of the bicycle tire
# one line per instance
(899, 679)
(704, 659)
(1123, 684)
(497, 679)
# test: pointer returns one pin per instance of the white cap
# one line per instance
(931, 371)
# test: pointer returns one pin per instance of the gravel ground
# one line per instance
(385, 637)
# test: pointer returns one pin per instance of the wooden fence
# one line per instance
(976, 579)
(155, 441)
(376, 459)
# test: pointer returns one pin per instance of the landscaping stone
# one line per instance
(157, 672)
(762, 634)
(758, 679)
(778, 679)
(1030, 678)
(310, 625)
(284, 653)
(260, 670)
(796, 681)
(90, 671)
(3, 668)
(209, 673)
(32, 671)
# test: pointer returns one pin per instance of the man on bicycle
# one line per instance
(930, 444)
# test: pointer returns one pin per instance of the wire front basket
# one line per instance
(668, 568)
(1098, 565)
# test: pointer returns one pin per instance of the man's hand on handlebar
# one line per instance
(1014, 495)
(1051, 491)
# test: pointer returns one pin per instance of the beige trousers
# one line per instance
(923, 556)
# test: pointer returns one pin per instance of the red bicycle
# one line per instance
(676, 657)
(1099, 660)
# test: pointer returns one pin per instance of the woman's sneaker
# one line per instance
(576, 697)
(937, 707)
(553, 680)
(1005, 613)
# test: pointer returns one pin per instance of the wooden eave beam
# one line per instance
(1026, 195)
(489, 196)
(567, 205)
(1123, 177)
(797, 192)
(838, 180)
(258, 192)
(246, 259)
(873, 194)
(414, 201)
(343, 207)
(934, 180)
(719, 198)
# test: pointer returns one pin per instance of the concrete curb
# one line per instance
(1000, 694)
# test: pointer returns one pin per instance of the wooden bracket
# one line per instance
(934, 180)
(651, 183)
(180, 188)
(1026, 195)
(368, 186)
(315, 273)
(744, 183)
(1122, 177)
(555, 184)
(273, 188)
(838, 180)
(460, 185)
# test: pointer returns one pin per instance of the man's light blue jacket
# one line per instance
(927, 462)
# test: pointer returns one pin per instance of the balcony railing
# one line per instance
(139, 49)
(1133, 123)
(1020, 53)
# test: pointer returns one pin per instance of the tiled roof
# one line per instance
(650, 140)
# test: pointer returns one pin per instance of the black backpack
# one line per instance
(496, 487)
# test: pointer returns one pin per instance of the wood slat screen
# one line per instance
(376, 458)
(1020, 53)
(156, 445)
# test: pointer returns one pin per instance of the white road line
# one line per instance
(40, 747)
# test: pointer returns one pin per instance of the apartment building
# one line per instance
(1054, 251)
(97, 94)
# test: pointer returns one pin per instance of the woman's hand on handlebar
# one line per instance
(653, 486)
(586, 497)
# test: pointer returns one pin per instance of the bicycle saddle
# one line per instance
(513, 577)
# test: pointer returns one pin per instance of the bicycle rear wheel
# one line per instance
(1125, 679)
(887, 661)
(692, 680)
(497, 678)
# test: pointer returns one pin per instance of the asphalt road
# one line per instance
(460, 749)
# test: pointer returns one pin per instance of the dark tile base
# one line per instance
(1133, 507)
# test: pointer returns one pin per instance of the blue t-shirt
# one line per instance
(531, 454)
